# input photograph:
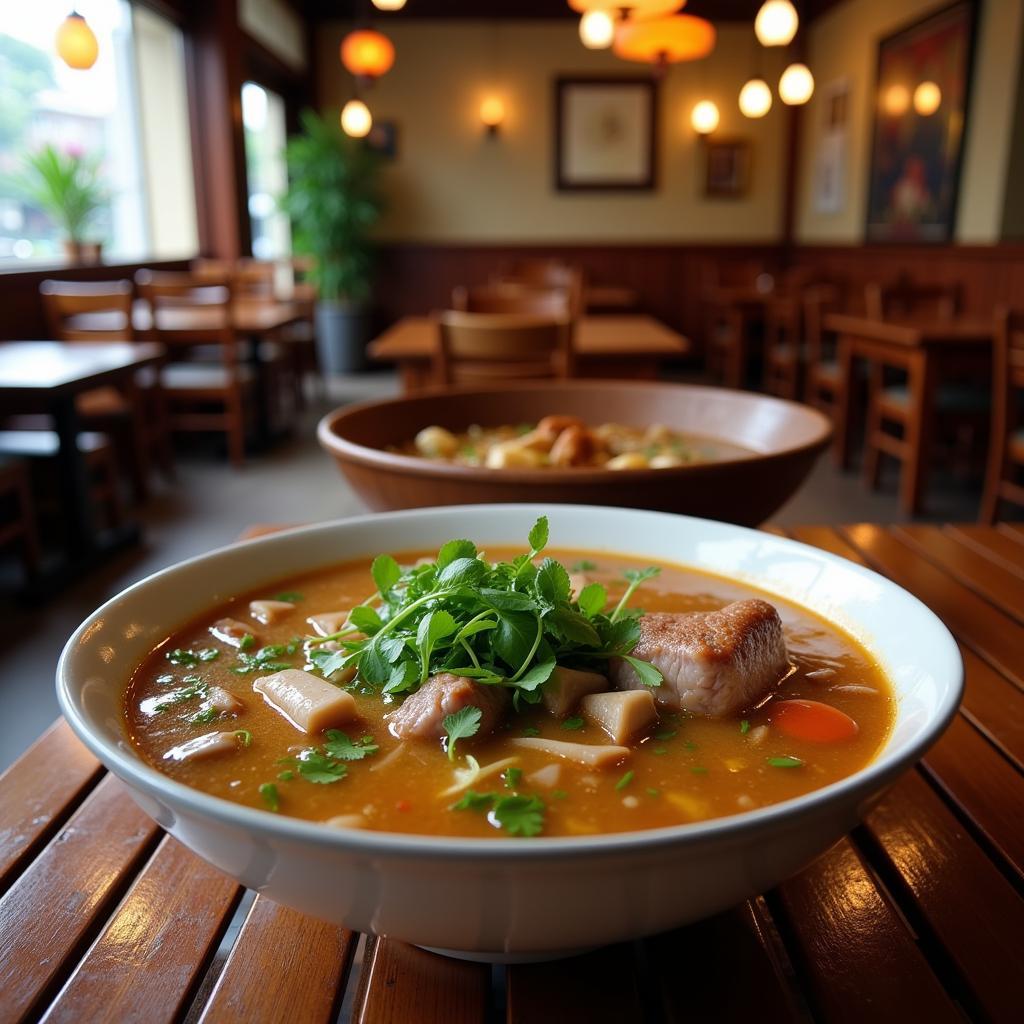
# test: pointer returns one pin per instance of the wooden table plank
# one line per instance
(858, 959)
(164, 931)
(602, 985)
(403, 983)
(993, 544)
(49, 913)
(39, 791)
(967, 903)
(285, 967)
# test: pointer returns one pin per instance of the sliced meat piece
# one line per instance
(231, 631)
(623, 715)
(204, 746)
(548, 776)
(714, 663)
(587, 754)
(223, 701)
(563, 690)
(422, 714)
(269, 612)
(327, 623)
(346, 821)
(307, 701)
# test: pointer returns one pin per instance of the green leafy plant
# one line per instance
(67, 186)
(333, 202)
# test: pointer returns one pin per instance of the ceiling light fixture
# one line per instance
(776, 23)
(76, 42)
(755, 98)
(664, 41)
(367, 53)
(597, 30)
(704, 117)
(796, 86)
(356, 119)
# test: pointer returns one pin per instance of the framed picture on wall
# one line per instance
(830, 159)
(726, 168)
(920, 104)
(605, 133)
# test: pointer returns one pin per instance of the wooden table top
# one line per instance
(57, 367)
(918, 915)
(249, 316)
(596, 337)
(914, 332)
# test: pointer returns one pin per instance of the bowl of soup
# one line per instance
(512, 732)
(703, 451)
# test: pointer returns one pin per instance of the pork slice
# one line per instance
(715, 664)
(231, 631)
(422, 714)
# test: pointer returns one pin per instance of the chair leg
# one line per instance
(160, 433)
(875, 425)
(917, 437)
(236, 430)
(31, 554)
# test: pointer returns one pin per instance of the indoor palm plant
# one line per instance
(333, 203)
(68, 187)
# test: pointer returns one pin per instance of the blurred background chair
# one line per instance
(905, 298)
(547, 274)
(18, 513)
(1006, 440)
(514, 298)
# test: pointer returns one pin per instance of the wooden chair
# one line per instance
(731, 316)
(136, 422)
(477, 348)
(513, 298)
(823, 381)
(783, 322)
(188, 311)
(546, 273)
(906, 298)
(18, 520)
(1006, 440)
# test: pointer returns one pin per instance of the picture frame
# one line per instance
(383, 139)
(921, 96)
(727, 165)
(605, 133)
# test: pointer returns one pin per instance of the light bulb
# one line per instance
(389, 5)
(76, 43)
(704, 117)
(796, 85)
(597, 30)
(896, 100)
(755, 98)
(776, 23)
(927, 97)
(492, 111)
(356, 119)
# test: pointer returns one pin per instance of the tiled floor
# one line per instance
(211, 504)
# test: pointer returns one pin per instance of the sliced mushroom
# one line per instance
(547, 776)
(307, 701)
(624, 715)
(346, 821)
(563, 691)
(221, 700)
(586, 754)
(231, 631)
(203, 746)
(327, 623)
(269, 612)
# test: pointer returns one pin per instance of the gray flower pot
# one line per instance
(342, 332)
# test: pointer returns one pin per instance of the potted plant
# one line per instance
(67, 187)
(333, 203)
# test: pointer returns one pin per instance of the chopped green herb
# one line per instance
(660, 750)
(559, 794)
(744, 727)
(531, 731)
(653, 792)
(785, 762)
(264, 660)
(286, 776)
(290, 596)
(645, 671)
(698, 769)
(634, 577)
(316, 767)
(181, 657)
(460, 726)
(665, 734)
(689, 745)
(208, 654)
(246, 642)
(165, 680)
(573, 724)
(269, 793)
(340, 746)
(244, 736)
(193, 691)
(472, 801)
(205, 716)
(519, 815)
(512, 777)
(625, 780)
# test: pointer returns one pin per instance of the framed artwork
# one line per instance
(383, 139)
(920, 102)
(727, 168)
(831, 157)
(605, 134)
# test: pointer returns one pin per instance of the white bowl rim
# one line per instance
(872, 776)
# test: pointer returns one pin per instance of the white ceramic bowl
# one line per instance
(514, 899)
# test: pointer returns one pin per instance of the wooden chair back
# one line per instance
(818, 301)
(513, 298)
(1005, 458)
(88, 310)
(490, 347)
(547, 274)
(905, 298)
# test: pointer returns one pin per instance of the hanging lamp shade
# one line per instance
(597, 30)
(776, 23)
(367, 53)
(704, 117)
(755, 98)
(389, 5)
(76, 43)
(796, 86)
(356, 119)
(662, 41)
(627, 9)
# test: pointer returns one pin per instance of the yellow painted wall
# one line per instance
(843, 43)
(452, 184)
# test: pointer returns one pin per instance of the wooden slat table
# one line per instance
(917, 915)
(623, 347)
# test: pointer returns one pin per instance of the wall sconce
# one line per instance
(704, 117)
(492, 113)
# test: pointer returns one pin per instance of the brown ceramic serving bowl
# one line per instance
(784, 439)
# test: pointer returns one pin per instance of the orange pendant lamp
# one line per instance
(627, 9)
(664, 41)
(367, 53)
(76, 42)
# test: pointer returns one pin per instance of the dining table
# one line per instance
(629, 347)
(916, 915)
(46, 377)
(737, 313)
(932, 352)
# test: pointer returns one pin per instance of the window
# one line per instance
(128, 112)
(263, 115)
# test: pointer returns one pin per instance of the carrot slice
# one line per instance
(812, 721)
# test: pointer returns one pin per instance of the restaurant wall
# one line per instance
(843, 44)
(451, 183)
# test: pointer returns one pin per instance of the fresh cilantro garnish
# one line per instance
(625, 780)
(744, 727)
(512, 777)
(472, 801)
(247, 641)
(785, 762)
(266, 659)
(205, 716)
(519, 815)
(195, 689)
(244, 737)
(460, 726)
(634, 577)
(313, 766)
(572, 724)
(182, 657)
(287, 775)
(343, 748)
(290, 596)
(645, 671)
(269, 793)
(208, 654)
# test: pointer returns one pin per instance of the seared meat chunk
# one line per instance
(423, 713)
(714, 663)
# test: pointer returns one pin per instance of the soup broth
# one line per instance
(683, 768)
